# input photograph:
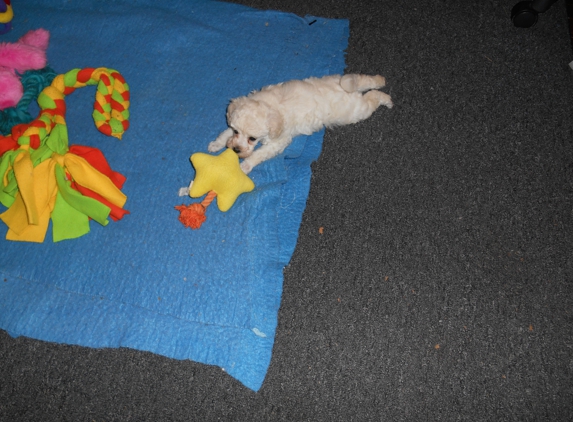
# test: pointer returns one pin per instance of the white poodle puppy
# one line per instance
(274, 115)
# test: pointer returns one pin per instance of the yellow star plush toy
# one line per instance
(222, 174)
(217, 176)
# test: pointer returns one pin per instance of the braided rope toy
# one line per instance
(44, 179)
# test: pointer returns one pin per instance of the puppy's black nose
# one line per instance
(237, 150)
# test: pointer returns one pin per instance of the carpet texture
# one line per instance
(147, 282)
(432, 278)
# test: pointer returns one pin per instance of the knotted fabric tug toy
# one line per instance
(43, 178)
(217, 176)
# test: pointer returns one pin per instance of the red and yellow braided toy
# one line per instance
(42, 178)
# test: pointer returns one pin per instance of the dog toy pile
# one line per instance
(6, 15)
(219, 177)
(44, 179)
(28, 53)
(34, 82)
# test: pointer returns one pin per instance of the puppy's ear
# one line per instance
(275, 123)
(230, 109)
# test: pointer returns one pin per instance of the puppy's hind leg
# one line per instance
(377, 98)
(361, 83)
(362, 106)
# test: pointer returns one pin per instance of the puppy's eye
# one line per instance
(252, 139)
(235, 131)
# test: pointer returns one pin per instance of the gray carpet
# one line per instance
(432, 280)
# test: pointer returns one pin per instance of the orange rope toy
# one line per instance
(193, 215)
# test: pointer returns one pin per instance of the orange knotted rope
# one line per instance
(193, 215)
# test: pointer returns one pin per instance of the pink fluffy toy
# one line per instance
(28, 53)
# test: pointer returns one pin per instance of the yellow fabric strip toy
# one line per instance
(43, 178)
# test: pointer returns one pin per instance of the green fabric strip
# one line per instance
(86, 205)
(58, 139)
(67, 222)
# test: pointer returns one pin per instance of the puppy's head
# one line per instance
(252, 122)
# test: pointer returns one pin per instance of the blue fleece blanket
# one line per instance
(146, 282)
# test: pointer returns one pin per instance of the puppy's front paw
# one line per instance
(214, 146)
(246, 167)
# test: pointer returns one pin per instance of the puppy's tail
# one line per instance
(361, 83)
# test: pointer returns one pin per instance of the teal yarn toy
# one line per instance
(33, 81)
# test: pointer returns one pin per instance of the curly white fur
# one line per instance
(274, 115)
